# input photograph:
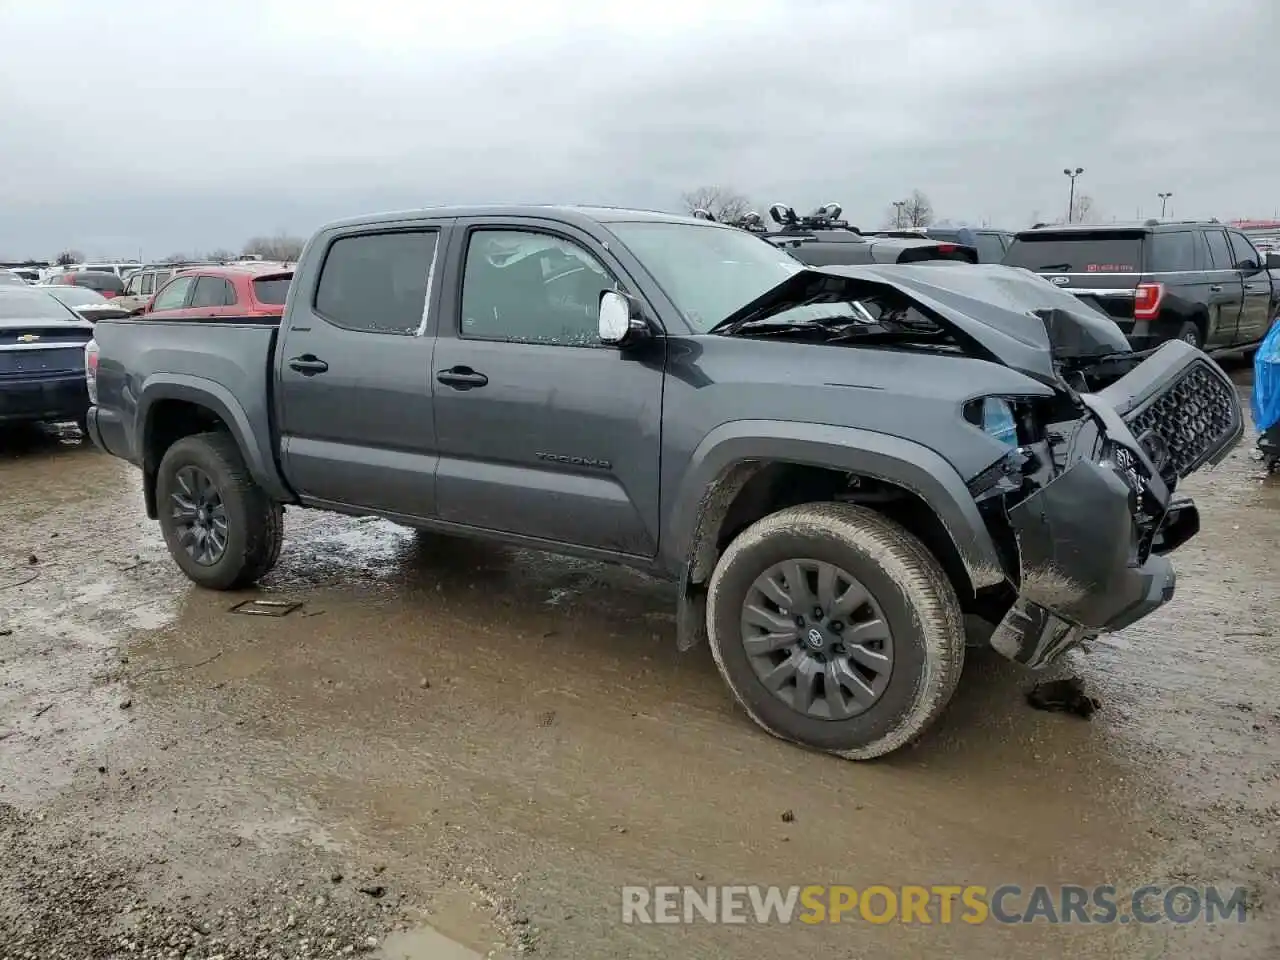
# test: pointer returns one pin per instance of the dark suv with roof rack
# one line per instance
(1192, 280)
(823, 239)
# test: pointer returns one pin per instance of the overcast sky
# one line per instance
(144, 127)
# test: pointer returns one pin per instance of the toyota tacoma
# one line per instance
(842, 468)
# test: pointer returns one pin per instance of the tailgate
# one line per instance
(1102, 268)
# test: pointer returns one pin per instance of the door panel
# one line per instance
(354, 373)
(559, 441)
(1226, 291)
(1255, 315)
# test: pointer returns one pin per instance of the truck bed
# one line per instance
(230, 360)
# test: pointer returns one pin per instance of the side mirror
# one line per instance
(620, 320)
(1273, 261)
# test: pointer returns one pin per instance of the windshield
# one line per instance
(16, 304)
(97, 280)
(77, 296)
(708, 271)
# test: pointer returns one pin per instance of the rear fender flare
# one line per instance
(217, 399)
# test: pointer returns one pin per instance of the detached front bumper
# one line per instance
(1093, 541)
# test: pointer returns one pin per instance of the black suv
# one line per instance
(1194, 280)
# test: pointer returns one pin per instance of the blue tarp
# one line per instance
(1266, 381)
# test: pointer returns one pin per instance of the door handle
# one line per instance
(1215, 288)
(308, 365)
(462, 378)
(1248, 286)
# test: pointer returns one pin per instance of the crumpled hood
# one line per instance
(1023, 320)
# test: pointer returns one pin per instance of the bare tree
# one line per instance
(914, 212)
(282, 247)
(1082, 210)
(221, 255)
(68, 257)
(176, 258)
(721, 202)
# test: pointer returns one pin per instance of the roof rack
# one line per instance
(825, 217)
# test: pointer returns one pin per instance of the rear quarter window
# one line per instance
(1173, 252)
(989, 247)
(1077, 252)
(271, 290)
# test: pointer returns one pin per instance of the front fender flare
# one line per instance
(213, 396)
(726, 450)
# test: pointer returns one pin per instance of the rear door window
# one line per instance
(1172, 252)
(1218, 250)
(174, 295)
(377, 283)
(212, 292)
(1077, 251)
(148, 284)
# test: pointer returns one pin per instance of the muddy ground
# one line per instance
(478, 747)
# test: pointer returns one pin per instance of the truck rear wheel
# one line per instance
(221, 528)
(836, 629)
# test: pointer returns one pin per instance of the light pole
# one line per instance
(1164, 199)
(897, 206)
(1071, 197)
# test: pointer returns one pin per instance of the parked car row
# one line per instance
(1195, 280)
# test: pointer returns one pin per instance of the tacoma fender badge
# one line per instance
(576, 461)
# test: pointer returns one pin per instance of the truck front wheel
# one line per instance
(835, 628)
(221, 528)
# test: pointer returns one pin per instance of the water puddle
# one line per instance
(423, 943)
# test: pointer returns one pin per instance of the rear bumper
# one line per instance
(1093, 540)
(60, 397)
(106, 430)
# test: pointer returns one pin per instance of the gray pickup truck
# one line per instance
(847, 471)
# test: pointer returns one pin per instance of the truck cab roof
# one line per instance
(572, 214)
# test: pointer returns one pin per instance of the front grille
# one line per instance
(1192, 421)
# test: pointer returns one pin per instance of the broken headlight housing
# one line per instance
(998, 418)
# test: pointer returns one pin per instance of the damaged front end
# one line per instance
(1089, 502)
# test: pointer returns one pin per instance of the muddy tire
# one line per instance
(221, 528)
(876, 672)
(1190, 333)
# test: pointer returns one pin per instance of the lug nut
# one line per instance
(836, 625)
(817, 613)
